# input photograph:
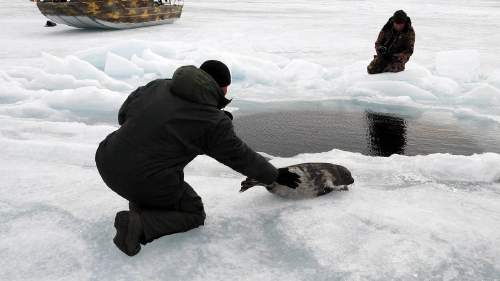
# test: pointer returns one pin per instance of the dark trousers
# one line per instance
(381, 65)
(164, 218)
(166, 206)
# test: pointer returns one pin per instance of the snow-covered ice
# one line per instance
(433, 217)
(462, 65)
(409, 218)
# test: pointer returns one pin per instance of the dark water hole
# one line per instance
(289, 131)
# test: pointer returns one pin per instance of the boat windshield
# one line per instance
(169, 2)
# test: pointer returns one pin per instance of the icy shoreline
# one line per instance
(92, 84)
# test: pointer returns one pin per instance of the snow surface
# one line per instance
(433, 217)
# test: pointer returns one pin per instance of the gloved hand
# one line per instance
(382, 50)
(288, 178)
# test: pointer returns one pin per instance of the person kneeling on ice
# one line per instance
(164, 126)
(394, 45)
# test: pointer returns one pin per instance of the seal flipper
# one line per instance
(325, 190)
(248, 183)
(344, 188)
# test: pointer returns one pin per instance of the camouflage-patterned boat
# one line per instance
(111, 14)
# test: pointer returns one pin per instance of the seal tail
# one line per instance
(248, 183)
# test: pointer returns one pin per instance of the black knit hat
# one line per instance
(400, 15)
(219, 72)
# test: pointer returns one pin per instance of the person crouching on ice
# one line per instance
(394, 45)
(164, 126)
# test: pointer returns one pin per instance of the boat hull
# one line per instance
(109, 14)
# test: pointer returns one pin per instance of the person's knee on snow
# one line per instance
(192, 203)
(376, 66)
(182, 215)
(372, 69)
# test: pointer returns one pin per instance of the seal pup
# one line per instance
(317, 179)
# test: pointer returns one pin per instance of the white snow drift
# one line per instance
(105, 76)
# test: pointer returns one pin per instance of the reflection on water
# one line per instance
(386, 134)
(287, 133)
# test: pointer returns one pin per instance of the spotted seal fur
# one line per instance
(317, 179)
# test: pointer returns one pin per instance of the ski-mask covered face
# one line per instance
(399, 25)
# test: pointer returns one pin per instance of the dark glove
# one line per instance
(288, 178)
(382, 50)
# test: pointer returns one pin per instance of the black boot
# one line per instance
(129, 232)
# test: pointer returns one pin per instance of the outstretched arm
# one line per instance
(223, 145)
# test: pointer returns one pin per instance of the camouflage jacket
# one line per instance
(397, 43)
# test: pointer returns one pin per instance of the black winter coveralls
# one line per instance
(164, 126)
